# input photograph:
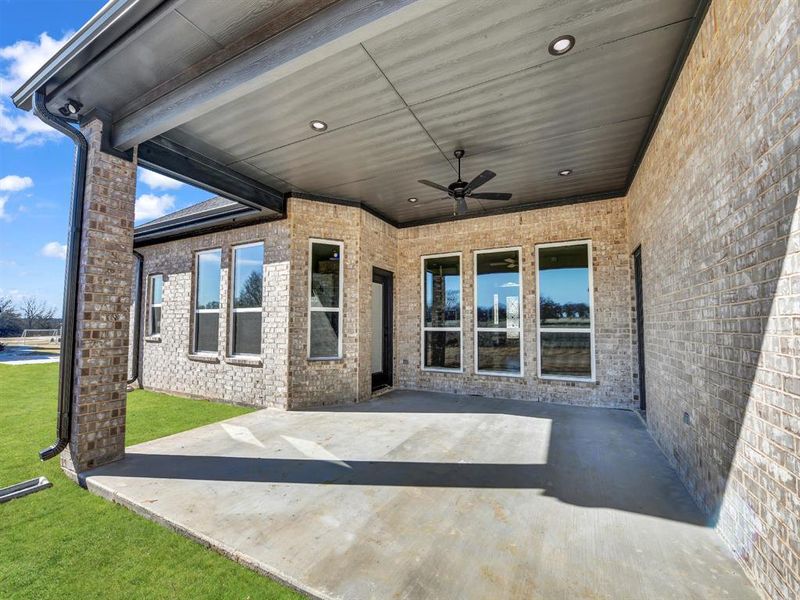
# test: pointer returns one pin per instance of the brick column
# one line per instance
(105, 287)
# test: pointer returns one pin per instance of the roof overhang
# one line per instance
(221, 94)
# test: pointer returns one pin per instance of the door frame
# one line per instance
(386, 377)
(639, 316)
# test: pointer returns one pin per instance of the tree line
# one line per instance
(29, 313)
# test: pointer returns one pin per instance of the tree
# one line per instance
(250, 296)
(10, 325)
(36, 314)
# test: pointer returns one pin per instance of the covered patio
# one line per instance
(427, 495)
(636, 246)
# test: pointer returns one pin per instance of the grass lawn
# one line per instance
(66, 543)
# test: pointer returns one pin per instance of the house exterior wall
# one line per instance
(603, 222)
(167, 362)
(321, 382)
(285, 377)
(378, 248)
(714, 207)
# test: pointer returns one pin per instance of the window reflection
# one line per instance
(498, 312)
(442, 312)
(565, 311)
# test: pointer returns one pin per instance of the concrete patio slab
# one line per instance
(423, 495)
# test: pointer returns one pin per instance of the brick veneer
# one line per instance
(101, 358)
(167, 361)
(714, 207)
(603, 222)
(286, 378)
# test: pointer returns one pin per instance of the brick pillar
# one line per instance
(105, 287)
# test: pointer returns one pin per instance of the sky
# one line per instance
(36, 163)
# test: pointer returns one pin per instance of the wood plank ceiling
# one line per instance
(472, 74)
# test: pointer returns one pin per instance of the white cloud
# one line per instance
(18, 62)
(24, 58)
(15, 295)
(23, 128)
(157, 181)
(152, 206)
(54, 250)
(3, 213)
(509, 284)
(14, 183)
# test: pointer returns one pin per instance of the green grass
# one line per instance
(67, 543)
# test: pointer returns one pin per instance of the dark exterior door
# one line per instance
(637, 272)
(381, 356)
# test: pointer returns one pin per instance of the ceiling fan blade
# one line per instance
(461, 206)
(434, 185)
(479, 181)
(492, 196)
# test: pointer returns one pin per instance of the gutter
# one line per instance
(66, 368)
(112, 21)
(137, 310)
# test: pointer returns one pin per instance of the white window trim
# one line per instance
(152, 305)
(521, 329)
(338, 309)
(232, 310)
(589, 330)
(198, 311)
(460, 327)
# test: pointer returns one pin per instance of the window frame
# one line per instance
(231, 310)
(339, 309)
(196, 311)
(460, 328)
(476, 329)
(589, 330)
(151, 305)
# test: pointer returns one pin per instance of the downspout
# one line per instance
(137, 309)
(66, 368)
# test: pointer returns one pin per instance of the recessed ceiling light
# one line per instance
(565, 172)
(561, 45)
(318, 125)
(412, 200)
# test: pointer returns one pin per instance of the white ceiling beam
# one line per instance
(340, 26)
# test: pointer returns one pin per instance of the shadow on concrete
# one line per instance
(600, 458)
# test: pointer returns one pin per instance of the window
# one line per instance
(564, 292)
(441, 318)
(156, 297)
(498, 312)
(248, 278)
(325, 300)
(206, 301)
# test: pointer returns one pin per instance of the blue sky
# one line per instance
(36, 163)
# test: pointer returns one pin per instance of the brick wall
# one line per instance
(320, 382)
(167, 362)
(104, 291)
(378, 248)
(714, 207)
(287, 378)
(603, 222)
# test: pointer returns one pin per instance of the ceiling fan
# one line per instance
(461, 190)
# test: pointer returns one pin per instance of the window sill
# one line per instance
(322, 359)
(500, 374)
(153, 339)
(442, 370)
(244, 361)
(204, 358)
(571, 380)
